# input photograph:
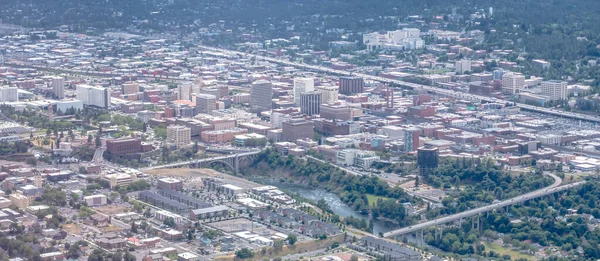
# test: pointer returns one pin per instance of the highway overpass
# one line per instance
(469, 213)
(232, 161)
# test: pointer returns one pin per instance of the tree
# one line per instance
(98, 141)
(278, 244)
(133, 228)
(170, 222)
(335, 245)
(90, 138)
(195, 147)
(244, 253)
(417, 181)
(292, 239)
(354, 257)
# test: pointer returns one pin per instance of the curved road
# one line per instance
(522, 198)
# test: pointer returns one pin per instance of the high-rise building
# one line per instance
(427, 159)
(184, 91)
(296, 128)
(497, 74)
(330, 93)
(556, 90)
(58, 87)
(462, 66)
(261, 96)
(310, 103)
(411, 139)
(302, 85)
(512, 83)
(206, 103)
(131, 88)
(179, 135)
(9, 94)
(93, 95)
(351, 85)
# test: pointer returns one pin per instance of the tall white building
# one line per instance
(462, 66)
(184, 91)
(58, 87)
(329, 93)
(302, 85)
(512, 83)
(179, 135)
(9, 94)
(93, 95)
(557, 90)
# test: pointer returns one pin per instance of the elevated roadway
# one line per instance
(469, 213)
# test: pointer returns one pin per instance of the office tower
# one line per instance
(497, 74)
(411, 139)
(296, 128)
(462, 66)
(556, 90)
(9, 94)
(93, 95)
(427, 159)
(351, 85)
(131, 88)
(330, 93)
(512, 83)
(310, 103)
(184, 91)
(205, 103)
(302, 85)
(179, 135)
(58, 87)
(261, 95)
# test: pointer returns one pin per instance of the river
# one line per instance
(335, 203)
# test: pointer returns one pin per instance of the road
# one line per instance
(441, 91)
(519, 199)
(183, 163)
(341, 168)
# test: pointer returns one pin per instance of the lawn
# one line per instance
(373, 199)
(514, 254)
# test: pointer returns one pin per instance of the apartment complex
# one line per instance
(512, 83)
(555, 90)
(178, 135)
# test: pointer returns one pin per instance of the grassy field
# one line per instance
(373, 199)
(489, 246)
